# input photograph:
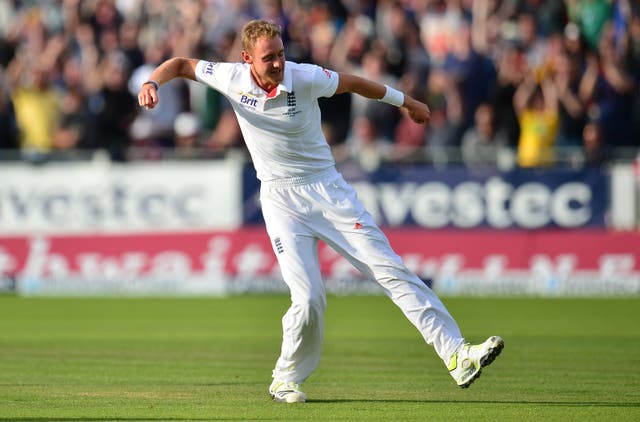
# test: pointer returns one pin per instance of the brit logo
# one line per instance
(248, 101)
(208, 68)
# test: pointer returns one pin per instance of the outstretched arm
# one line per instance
(418, 111)
(177, 67)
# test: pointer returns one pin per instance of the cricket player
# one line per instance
(305, 199)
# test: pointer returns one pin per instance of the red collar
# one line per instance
(273, 92)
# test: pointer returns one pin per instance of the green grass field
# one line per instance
(211, 359)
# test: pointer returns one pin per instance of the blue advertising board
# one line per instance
(457, 197)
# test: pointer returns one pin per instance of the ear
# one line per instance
(247, 57)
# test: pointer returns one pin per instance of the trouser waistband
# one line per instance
(303, 180)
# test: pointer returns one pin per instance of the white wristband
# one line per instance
(393, 97)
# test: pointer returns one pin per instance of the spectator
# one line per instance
(72, 125)
(510, 74)
(439, 25)
(396, 41)
(112, 108)
(128, 36)
(163, 116)
(613, 93)
(36, 108)
(408, 139)
(353, 43)
(533, 45)
(105, 19)
(8, 125)
(537, 108)
(323, 31)
(70, 130)
(574, 44)
(485, 46)
(187, 128)
(472, 73)
(549, 15)
(226, 134)
(595, 151)
(215, 111)
(633, 62)
(373, 67)
(482, 141)
(591, 16)
(566, 79)
(445, 102)
(366, 146)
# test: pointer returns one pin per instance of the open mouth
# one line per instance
(276, 75)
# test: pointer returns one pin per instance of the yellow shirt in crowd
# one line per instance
(36, 115)
(538, 131)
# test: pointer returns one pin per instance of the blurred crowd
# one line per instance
(523, 80)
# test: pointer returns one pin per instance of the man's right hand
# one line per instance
(148, 96)
(418, 111)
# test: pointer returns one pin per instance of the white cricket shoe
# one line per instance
(286, 392)
(466, 364)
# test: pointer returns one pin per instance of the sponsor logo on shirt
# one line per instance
(248, 101)
(208, 68)
(327, 72)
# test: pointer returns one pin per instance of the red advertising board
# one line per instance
(453, 260)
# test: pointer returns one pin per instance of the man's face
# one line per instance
(267, 61)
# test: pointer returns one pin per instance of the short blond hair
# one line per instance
(258, 28)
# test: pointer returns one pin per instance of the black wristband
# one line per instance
(154, 83)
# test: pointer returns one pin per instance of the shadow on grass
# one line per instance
(516, 402)
(337, 401)
(78, 419)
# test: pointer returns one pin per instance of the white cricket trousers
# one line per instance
(299, 212)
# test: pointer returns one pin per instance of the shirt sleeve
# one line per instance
(214, 74)
(325, 82)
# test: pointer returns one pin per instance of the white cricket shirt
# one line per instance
(281, 129)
